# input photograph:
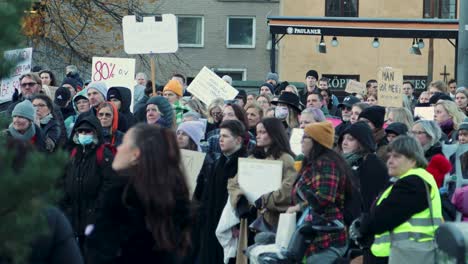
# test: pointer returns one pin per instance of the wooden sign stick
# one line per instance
(153, 73)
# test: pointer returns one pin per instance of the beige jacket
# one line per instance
(279, 200)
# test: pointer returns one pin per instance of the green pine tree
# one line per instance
(24, 192)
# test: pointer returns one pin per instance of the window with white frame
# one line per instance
(236, 74)
(240, 32)
(190, 31)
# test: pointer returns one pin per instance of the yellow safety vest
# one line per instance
(419, 227)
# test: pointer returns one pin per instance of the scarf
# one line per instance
(447, 127)
(352, 158)
(45, 120)
(26, 136)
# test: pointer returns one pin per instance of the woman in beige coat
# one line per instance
(272, 144)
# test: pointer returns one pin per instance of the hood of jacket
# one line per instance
(362, 133)
(126, 96)
(167, 113)
(90, 118)
(82, 94)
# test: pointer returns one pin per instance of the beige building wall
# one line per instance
(356, 55)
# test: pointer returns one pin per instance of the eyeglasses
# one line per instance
(39, 105)
(418, 132)
(216, 113)
(84, 131)
(104, 114)
(31, 84)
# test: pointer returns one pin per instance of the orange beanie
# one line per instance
(322, 132)
(175, 87)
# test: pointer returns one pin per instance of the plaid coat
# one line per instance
(322, 186)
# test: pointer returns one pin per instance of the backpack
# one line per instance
(99, 152)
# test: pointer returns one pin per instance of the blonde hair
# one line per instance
(197, 106)
(402, 115)
(255, 106)
(45, 90)
(453, 110)
(439, 85)
(294, 89)
(218, 102)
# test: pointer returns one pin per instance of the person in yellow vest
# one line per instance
(402, 211)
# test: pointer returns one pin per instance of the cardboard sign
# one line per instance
(425, 113)
(355, 87)
(296, 139)
(390, 87)
(208, 86)
(150, 36)
(23, 59)
(193, 162)
(258, 177)
(286, 228)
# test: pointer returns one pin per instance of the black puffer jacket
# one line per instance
(86, 179)
(126, 101)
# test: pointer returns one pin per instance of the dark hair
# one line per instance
(318, 94)
(452, 81)
(51, 75)
(330, 101)
(161, 187)
(368, 83)
(46, 99)
(236, 127)
(240, 113)
(279, 140)
(180, 76)
(149, 88)
(324, 79)
(410, 83)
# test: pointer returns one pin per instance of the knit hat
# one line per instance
(195, 130)
(25, 109)
(375, 114)
(242, 95)
(227, 79)
(312, 73)
(272, 89)
(113, 93)
(439, 96)
(349, 101)
(397, 128)
(175, 87)
(322, 132)
(464, 124)
(100, 87)
(167, 114)
(62, 95)
(272, 76)
(362, 133)
(71, 81)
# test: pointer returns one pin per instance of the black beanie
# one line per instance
(113, 93)
(362, 133)
(375, 114)
(312, 73)
(397, 128)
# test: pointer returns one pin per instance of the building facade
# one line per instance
(357, 58)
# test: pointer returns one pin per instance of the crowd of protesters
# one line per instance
(125, 193)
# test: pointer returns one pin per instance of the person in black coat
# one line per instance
(87, 177)
(49, 125)
(122, 99)
(147, 214)
(215, 192)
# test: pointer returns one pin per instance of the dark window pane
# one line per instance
(240, 31)
(440, 9)
(341, 8)
(190, 30)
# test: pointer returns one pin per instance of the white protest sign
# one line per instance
(258, 177)
(355, 87)
(296, 139)
(193, 162)
(150, 36)
(23, 57)
(208, 86)
(390, 87)
(286, 228)
(425, 113)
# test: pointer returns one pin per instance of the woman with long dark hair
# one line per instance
(146, 217)
(322, 185)
(272, 144)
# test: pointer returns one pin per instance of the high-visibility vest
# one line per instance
(419, 227)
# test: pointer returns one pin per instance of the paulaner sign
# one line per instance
(303, 31)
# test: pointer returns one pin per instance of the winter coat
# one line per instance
(215, 195)
(52, 134)
(86, 180)
(275, 202)
(67, 111)
(126, 101)
(120, 234)
(37, 140)
(433, 150)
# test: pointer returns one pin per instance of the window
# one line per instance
(190, 31)
(342, 8)
(440, 9)
(240, 32)
(236, 74)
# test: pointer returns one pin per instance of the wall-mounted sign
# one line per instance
(419, 81)
(303, 31)
(339, 81)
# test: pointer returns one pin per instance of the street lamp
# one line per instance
(334, 42)
(376, 43)
(322, 47)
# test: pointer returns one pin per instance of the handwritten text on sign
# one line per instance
(114, 71)
(390, 81)
(208, 86)
(23, 58)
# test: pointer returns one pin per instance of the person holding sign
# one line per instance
(272, 144)
(215, 193)
(322, 185)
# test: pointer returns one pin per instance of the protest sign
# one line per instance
(390, 82)
(425, 113)
(208, 86)
(257, 177)
(286, 228)
(355, 87)
(23, 59)
(193, 162)
(296, 139)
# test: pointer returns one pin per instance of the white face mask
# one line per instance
(281, 112)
